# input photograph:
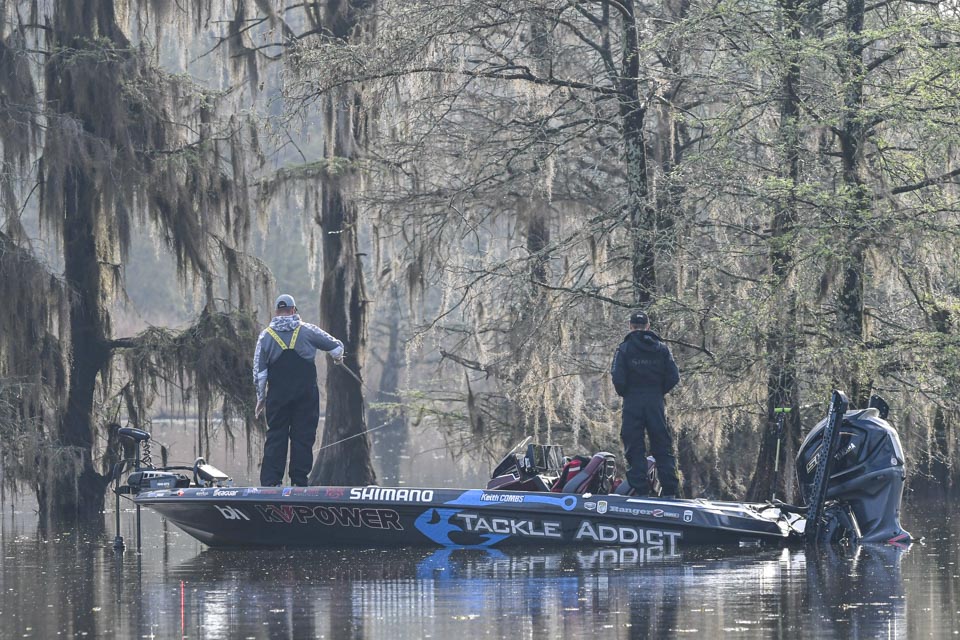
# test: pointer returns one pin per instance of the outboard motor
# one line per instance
(866, 474)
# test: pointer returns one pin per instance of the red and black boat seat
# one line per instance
(596, 476)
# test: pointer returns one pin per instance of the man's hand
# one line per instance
(259, 410)
(337, 359)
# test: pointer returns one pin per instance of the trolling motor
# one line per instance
(147, 477)
(139, 437)
(850, 471)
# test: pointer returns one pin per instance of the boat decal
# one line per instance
(625, 534)
(480, 498)
(437, 526)
(519, 527)
(287, 491)
(335, 492)
(231, 513)
(589, 506)
(650, 513)
(601, 507)
(390, 494)
(221, 493)
(329, 516)
(687, 515)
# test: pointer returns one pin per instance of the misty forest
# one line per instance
(473, 197)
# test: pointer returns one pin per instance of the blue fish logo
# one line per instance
(436, 525)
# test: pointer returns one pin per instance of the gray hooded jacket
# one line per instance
(310, 339)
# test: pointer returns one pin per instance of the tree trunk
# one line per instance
(937, 475)
(538, 239)
(390, 441)
(942, 450)
(781, 345)
(342, 297)
(77, 489)
(667, 152)
(852, 134)
(343, 314)
(71, 488)
(640, 212)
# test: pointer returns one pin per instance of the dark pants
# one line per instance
(295, 420)
(645, 416)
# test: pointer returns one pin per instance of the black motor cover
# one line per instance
(152, 479)
(867, 473)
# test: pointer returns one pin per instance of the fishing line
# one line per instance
(356, 435)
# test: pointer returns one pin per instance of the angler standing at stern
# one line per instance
(285, 375)
(643, 372)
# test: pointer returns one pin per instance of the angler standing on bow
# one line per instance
(285, 375)
(643, 373)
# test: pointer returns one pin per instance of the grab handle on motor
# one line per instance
(137, 435)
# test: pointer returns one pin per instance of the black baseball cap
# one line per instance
(639, 318)
(285, 301)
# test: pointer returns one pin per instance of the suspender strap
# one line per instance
(283, 345)
(293, 339)
(273, 334)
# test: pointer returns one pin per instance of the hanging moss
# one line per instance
(124, 143)
(31, 363)
(201, 365)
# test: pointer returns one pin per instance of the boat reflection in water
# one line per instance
(73, 585)
(858, 591)
(621, 592)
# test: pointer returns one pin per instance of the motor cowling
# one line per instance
(152, 479)
(867, 473)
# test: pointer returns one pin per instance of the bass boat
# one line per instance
(850, 473)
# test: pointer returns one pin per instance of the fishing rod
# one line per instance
(340, 363)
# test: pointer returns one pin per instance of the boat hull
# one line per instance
(395, 517)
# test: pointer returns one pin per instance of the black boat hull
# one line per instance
(395, 517)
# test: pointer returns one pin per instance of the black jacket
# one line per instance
(643, 365)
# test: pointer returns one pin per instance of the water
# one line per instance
(73, 585)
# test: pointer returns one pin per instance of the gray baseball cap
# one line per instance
(285, 301)
(639, 318)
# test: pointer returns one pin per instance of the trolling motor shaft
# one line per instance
(138, 436)
(780, 412)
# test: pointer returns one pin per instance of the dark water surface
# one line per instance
(72, 585)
